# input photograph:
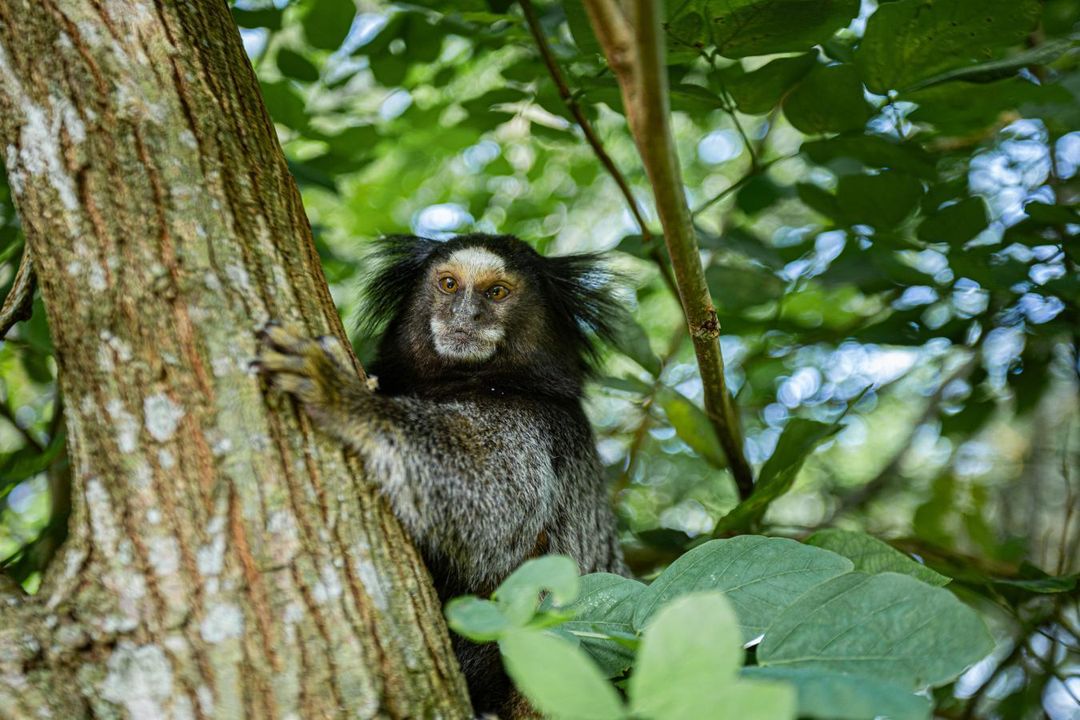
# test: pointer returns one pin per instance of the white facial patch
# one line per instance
(474, 263)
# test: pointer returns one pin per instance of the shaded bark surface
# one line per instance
(224, 561)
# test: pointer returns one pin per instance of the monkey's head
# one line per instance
(486, 312)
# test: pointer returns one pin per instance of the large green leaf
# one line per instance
(888, 626)
(881, 200)
(873, 151)
(799, 438)
(911, 40)
(829, 100)
(962, 108)
(871, 555)
(956, 223)
(737, 288)
(558, 678)
(327, 22)
(829, 695)
(687, 664)
(285, 104)
(758, 92)
(294, 65)
(759, 575)
(605, 606)
(739, 28)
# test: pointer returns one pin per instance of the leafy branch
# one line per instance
(632, 40)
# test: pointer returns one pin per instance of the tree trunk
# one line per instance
(224, 561)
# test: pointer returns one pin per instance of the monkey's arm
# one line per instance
(471, 482)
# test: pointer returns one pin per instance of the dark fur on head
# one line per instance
(550, 349)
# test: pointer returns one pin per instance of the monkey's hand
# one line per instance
(317, 372)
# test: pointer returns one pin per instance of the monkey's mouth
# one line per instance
(465, 344)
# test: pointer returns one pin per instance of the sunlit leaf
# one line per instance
(871, 555)
(827, 695)
(889, 626)
(558, 677)
(759, 575)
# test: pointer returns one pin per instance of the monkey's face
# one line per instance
(473, 295)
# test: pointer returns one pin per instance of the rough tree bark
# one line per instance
(224, 561)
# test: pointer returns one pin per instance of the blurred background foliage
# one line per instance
(887, 200)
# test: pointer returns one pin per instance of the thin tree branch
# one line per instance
(20, 300)
(583, 122)
(634, 49)
(753, 172)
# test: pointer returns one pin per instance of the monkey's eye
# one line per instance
(448, 284)
(497, 293)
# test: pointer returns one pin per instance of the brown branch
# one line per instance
(593, 139)
(633, 45)
(20, 300)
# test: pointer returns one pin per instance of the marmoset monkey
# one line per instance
(476, 433)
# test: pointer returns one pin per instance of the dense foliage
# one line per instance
(887, 199)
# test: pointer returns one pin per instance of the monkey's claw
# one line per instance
(299, 366)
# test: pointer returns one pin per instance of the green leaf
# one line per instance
(818, 198)
(872, 151)
(912, 40)
(826, 695)
(688, 659)
(799, 438)
(477, 619)
(960, 108)
(29, 461)
(888, 626)
(293, 64)
(759, 575)
(327, 22)
(269, 18)
(605, 606)
(519, 594)
(759, 91)
(284, 104)
(829, 100)
(581, 29)
(871, 555)
(882, 200)
(753, 699)
(740, 28)
(692, 426)
(1006, 67)
(737, 288)
(957, 223)
(558, 678)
